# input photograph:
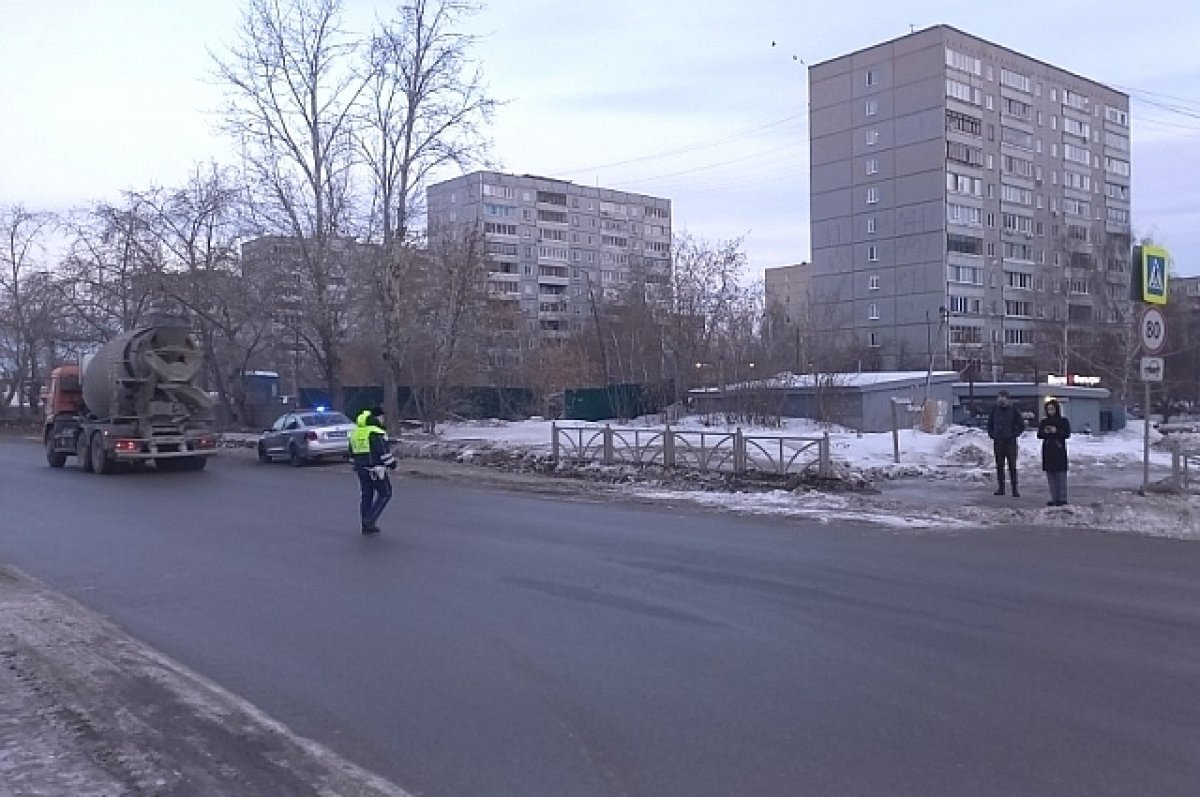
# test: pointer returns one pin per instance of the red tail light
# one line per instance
(127, 445)
(310, 435)
(208, 441)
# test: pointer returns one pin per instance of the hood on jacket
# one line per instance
(364, 418)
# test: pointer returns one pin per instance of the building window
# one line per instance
(1011, 222)
(1018, 166)
(873, 341)
(1016, 195)
(1019, 279)
(873, 253)
(1116, 191)
(1116, 141)
(873, 282)
(1116, 166)
(872, 137)
(872, 166)
(871, 224)
(873, 311)
(1072, 99)
(1015, 80)
(1077, 128)
(872, 196)
(967, 335)
(1076, 154)
(872, 107)
(964, 244)
(1017, 109)
(1078, 181)
(870, 77)
(1015, 251)
(958, 152)
(1018, 309)
(966, 275)
(1016, 138)
(965, 215)
(962, 184)
(1116, 116)
(1076, 207)
(961, 92)
(962, 61)
(962, 123)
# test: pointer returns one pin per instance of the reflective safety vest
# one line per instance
(360, 438)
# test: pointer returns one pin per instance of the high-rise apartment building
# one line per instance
(292, 286)
(556, 247)
(970, 206)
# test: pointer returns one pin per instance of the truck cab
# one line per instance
(62, 403)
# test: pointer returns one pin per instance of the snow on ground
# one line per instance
(957, 448)
(1106, 470)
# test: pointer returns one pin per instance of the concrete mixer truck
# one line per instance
(134, 401)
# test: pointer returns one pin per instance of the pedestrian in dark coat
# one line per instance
(1053, 431)
(1005, 425)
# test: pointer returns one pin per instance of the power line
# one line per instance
(717, 165)
(1145, 92)
(700, 144)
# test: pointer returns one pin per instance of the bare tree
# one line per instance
(199, 227)
(292, 92)
(707, 293)
(1088, 326)
(111, 272)
(450, 292)
(424, 108)
(25, 304)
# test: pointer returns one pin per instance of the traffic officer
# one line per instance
(372, 454)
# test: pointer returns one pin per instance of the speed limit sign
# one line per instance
(1153, 330)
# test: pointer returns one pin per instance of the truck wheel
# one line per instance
(295, 458)
(101, 463)
(55, 459)
(83, 452)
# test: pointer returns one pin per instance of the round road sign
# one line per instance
(1153, 330)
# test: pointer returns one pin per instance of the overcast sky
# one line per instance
(682, 99)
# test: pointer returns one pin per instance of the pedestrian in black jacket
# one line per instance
(1053, 431)
(1005, 425)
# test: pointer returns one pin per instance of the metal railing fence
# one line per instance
(734, 452)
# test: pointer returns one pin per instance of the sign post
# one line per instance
(1154, 274)
(1152, 328)
(1151, 266)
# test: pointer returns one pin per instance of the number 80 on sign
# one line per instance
(1153, 329)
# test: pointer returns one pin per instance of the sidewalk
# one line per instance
(87, 711)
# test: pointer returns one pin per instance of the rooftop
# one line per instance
(945, 27)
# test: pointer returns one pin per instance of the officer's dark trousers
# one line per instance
(374, 495)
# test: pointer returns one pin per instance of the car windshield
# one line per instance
(324, 419)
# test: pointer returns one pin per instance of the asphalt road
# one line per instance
(497, 643)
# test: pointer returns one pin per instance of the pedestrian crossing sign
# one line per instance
(1154, 274)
